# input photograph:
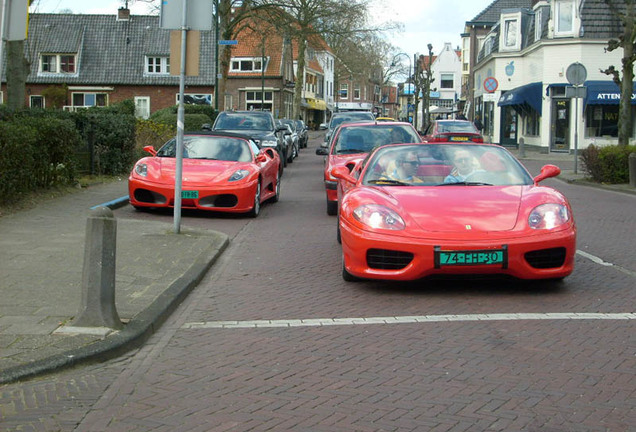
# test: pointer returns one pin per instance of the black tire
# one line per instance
(346, 276)
(338, 235)
(256, 210)
(276, 197)
(332, 208)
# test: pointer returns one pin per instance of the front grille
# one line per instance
(150, 197)
(546, 258)
(225, 200)
(383, 259)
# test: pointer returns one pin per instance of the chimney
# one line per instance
(123, 14)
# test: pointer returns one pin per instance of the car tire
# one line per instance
(256, 210)
(346, 276)
(332, 208)
(276, 196)
(338, 235)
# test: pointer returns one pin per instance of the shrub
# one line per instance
(609, 164)
(149, 132)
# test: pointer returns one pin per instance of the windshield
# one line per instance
(337, 120)
(444, 165)
(456, 126)
(210, 148)
(361, 139)
(243, 121)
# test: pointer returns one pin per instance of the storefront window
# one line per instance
(602, 120)
(533, 123)
(489, 118)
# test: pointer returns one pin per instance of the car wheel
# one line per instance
(346, 276)
(276, 197)
(257, 201)
(332, 208)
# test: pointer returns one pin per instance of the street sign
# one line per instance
(228, 42)
(576, 74)
(491, 84)
(198, 14)
(576, 92)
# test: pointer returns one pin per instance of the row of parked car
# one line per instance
(233, 166)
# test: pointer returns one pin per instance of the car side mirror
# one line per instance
(323, 126)
(342, 173)
(261, 157)
(546, 172)
(322, 151)
(150, 149)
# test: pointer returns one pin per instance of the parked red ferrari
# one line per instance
(222, 172)
(413, 211)
(351, 142)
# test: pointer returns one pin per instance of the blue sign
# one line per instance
(228, 42)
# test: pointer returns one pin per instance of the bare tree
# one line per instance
(626, 40)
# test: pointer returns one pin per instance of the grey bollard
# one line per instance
(522, 147)
(631, 160)
(98, 274)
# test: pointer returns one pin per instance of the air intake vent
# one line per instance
(383, 259)
(546, 258)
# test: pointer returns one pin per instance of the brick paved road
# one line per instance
(531, 374)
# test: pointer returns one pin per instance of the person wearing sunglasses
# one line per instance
(406, 168)
(465, 165)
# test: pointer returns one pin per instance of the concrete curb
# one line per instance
(141, 326)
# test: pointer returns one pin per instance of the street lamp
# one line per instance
(408, 79)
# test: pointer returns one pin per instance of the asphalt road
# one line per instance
(274, 339)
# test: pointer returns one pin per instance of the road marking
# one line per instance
(320, 322)
(602, 262)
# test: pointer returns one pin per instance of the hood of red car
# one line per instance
(458, 208)
(195, 171)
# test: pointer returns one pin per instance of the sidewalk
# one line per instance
(41, 262)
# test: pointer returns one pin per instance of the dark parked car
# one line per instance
(292, 138)
(258, 125)
(303, 133)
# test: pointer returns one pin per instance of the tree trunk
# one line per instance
(298, 87)
(625, 109)
(17, 72)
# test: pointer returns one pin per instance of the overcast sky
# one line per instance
(425, 21)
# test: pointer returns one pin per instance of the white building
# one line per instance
(520, 76)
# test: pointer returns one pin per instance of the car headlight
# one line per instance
(379, 217)
(239, 175)
(548, 216)
(269, 143)
(141, 169)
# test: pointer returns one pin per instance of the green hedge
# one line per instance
(608, 164)
(194, 116)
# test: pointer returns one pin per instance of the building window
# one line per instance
(356, 92)
(511, 28)
(447, 81)
(255, 101)
(247, 65)
(532, 123)
(57, 63)
(89, 99)
(344, 91)
(564, 18)
(158, 65)
(602, 120)
(488, 44)
(36, 101)
(142, 106)
(538, 24)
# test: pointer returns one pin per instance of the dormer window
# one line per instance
(57, 63)
(247, 64)
(510, 38)
(563, 17)
(158, 65)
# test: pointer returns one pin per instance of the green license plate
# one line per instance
(189, 194)
(469, 258)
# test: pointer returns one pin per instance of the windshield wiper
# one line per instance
(352, 151)
(465, 184)
(389, 182)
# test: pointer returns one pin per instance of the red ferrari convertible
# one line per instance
(351, 142)
(221, 171)
(412, 211)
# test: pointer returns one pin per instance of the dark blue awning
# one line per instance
(605, 93)
(529, 94)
